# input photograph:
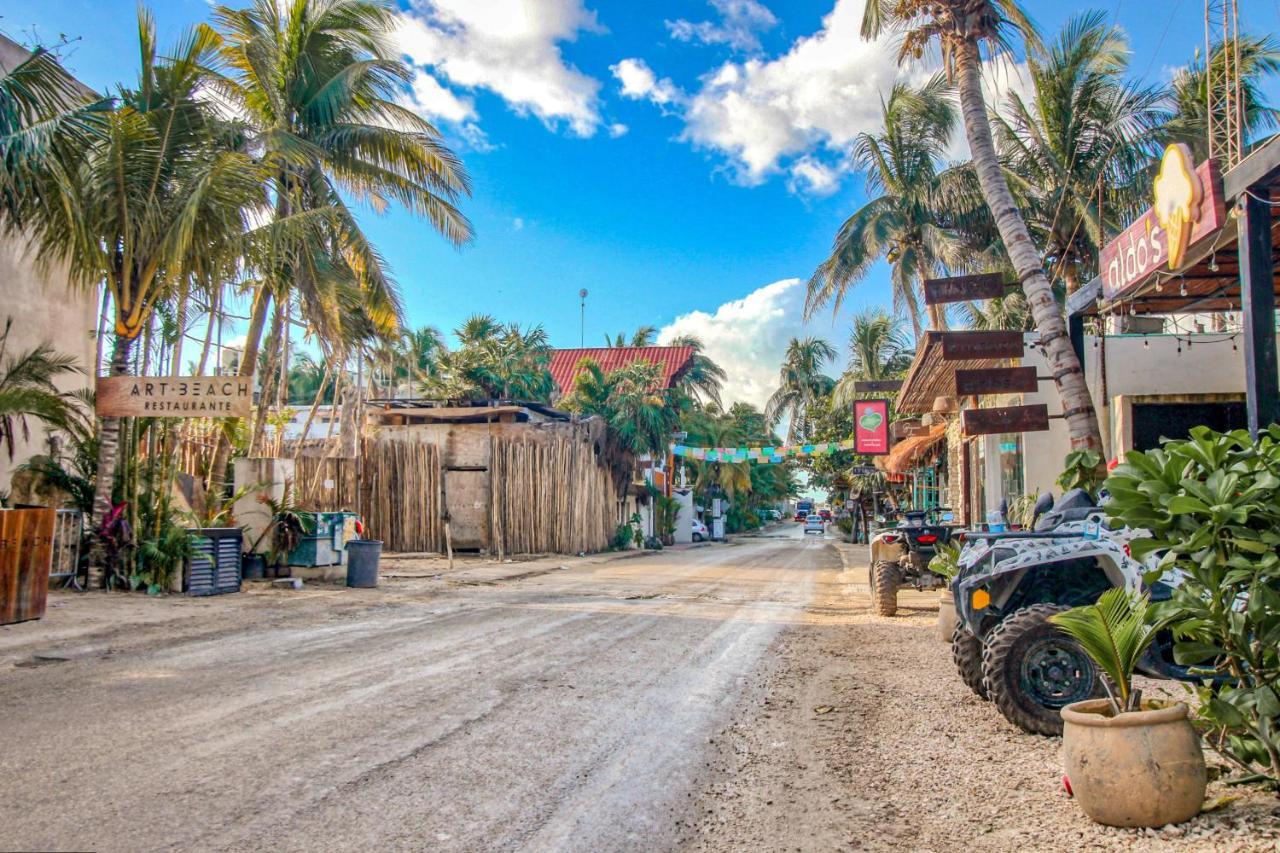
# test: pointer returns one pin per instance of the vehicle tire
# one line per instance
(966, 651)
(884, 588)
(1032, 670)
(697, 537)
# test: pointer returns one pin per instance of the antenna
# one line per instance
(1222, 79)
(582, 320)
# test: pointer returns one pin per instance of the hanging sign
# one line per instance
(977, 346)
(1034, 418)
(871, 427)
(996, 380)
(879, 386)
(1188, 207)
(174, 396)
(963, 288)
(907, 427)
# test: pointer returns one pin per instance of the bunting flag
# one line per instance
(760, 455)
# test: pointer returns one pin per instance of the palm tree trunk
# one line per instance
(108, 454)
(248, 360)
(270, 380)
(1077, 405)
(937, 318)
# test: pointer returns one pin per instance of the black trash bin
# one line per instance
(363, 556)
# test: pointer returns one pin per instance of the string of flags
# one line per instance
(760, 455)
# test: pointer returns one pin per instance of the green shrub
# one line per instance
(1212, 504)
(1082, 469)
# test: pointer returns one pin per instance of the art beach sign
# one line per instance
(1188, 206)
(175, 396)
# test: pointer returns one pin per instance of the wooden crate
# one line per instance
(26, 555)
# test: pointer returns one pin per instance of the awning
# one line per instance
(907, 451)
(931, 376)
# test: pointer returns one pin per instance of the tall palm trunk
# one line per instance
(108, 453)
(1077, 405)
(248, 360)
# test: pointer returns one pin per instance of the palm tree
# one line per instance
(424, 346)
(878, 350)
(703, 378)
(28, 391)
(496, 361)
(643, 336)
(1188, 95)
(1007, 314)
(900, 222)
(963, 29)
(801, 382)
(319, 82)
(158, 199)
(1084, 129)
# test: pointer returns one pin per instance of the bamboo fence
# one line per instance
(401, 504)
(550, 496)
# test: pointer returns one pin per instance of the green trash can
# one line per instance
(363, 557)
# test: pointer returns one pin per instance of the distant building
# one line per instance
(674, 362)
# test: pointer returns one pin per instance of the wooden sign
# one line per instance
(878, 386)
(996, 380)
(1189, 207)
(977, 346)
(26, 556)
(908, 428)
(963, 288)
(175, 396)
(1034, 418)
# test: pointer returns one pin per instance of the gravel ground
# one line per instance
(860, 736)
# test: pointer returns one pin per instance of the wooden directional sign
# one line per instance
(963, 288)
(996, 380)
(1033, 418)
(976, 346)
(175, 396)
(877, 386)
(908, 428)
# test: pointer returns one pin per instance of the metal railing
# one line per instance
(68, 530)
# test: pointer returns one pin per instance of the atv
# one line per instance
(900, 556)
(1007, 587)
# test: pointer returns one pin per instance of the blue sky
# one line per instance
(680, 159)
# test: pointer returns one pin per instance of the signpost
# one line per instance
(881, 386)
(908, 428)
(963, 288)
(977, 346)
(175, 396)
(996, 380)
(871, 427)
(1034, 418)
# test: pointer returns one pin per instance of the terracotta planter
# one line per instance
(1139, 769)
(946, 616)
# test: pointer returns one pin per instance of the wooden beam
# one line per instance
(1258, 302)
(996, 380)
(1034, 418)
(963, 288)
(966, 346)
(876, 385)
(1083, 300)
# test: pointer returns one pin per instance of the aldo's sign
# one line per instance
(175, 396)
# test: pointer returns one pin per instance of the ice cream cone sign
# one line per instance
(1178, 194)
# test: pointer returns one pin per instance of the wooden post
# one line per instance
(1258, 302)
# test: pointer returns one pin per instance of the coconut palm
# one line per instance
(1084, 128)
(1007, 314)
(1188, 95)
(801, 383)
(963, 29)
(643, 336)
(496, 361)
(900, 222)
(318, 82)
(878, 350)
(702, 379)
(28, 392)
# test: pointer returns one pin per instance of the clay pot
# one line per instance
(946, 616)
(1143, 768)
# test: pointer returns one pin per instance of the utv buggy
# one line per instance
(1008, 586)
(900, 556)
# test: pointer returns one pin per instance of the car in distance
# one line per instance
(814, 524)
(801, 516)
(825, 514)
(700, 531)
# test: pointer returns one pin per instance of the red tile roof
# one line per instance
(564, 362)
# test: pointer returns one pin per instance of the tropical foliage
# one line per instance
(1115, 632)
(801, 383)
(29, 392)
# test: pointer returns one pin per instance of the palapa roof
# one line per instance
(673, 361)
(930, 377)
(907, 451)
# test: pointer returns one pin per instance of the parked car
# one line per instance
(814, 524)
(801, 516)
(700, 531)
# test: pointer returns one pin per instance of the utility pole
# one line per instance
(582, 318)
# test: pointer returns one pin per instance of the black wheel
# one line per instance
(884, 588)
(1032, 670)
(966, 651)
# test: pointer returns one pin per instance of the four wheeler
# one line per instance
(900, 556)
(1007, 587)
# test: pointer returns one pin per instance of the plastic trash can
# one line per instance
(363, 556)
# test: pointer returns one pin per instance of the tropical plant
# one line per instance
(878, 350)
(1008, 314)
(1082, 469)
(1258, 59)
(665, 511)
(900, 222)
(963, 29)
(1212, 505)
(497, 361)
(643, 336)
(163, 544)
(28, 391)
(1114, 632)
(801, 383)
(946, 560)
(702, 379)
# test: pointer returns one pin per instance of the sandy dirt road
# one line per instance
(564, 709)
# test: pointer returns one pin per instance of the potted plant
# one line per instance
(1129, 762)
(946, 563)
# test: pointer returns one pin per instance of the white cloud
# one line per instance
(641, 84)
(509, 47)
(435, 101)
(618, 129)
(517, 224)
(748, 337)
(813, 176)
(740, 23)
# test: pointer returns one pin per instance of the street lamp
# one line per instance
(582, 328)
